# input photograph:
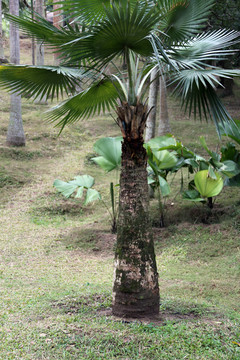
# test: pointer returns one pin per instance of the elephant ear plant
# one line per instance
(231, 152)
(110, 152)
(143, 35)
(161, 162)
(207, 184)
(80, 187)
(220, 169)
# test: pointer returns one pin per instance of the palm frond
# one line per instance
(122, 29)
(204, 47)
(183, 18)
(49, 81)
(88, 10)
(101, 96)
(43, 30)
(197, 90)
(91, 11)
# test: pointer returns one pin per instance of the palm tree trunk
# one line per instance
(39, 45)
(135, 291)
(164, 125)
(152, 103)
(1, 34)
(15, 134)
(57, 22)
(33, 41)
(39, 8)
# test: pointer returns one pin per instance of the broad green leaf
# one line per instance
(161, 142)
(192, 195)
(229, 152)
(211, 173)
(85, 181)
(192, 162)
(234, 181)
(204, 145)
(92, 195)
(103, 163)
(64, 188)
(164, 187)
(79, 193)
(110, 150)
(164, 159)
(151, 180)
(230, 168)
(207, 186)
(213, 154)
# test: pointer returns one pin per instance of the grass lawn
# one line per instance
(56, 255)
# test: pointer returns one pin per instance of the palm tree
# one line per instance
(152, 103)
(15, 133)
(108, 33)
(1, 34)
(40, 9)
(164, 124)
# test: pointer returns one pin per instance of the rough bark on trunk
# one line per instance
(135, 291)
(152, 103)
(15, 134)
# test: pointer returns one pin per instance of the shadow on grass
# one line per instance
(89, 239)
(170, 310)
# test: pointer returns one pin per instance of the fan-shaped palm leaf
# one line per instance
(43, 30)
(182, 18)
(205, 47)
(90, 11)
(41, 81)
(121, 30)
(100, 96)
(197, 89)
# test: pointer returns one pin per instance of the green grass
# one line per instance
(56, 255)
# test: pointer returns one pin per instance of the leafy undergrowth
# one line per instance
(56, 256)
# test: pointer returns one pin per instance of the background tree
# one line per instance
(15, 133)
(157, 99)
(1, 34)
(40, 10)
(152, 104)
(108, 34)
(226, 15)
(163, 124)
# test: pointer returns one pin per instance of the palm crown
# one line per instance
(143, 34)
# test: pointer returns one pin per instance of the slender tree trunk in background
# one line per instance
(33, 42)
(39, 8)
(152, 104)
(135, 291)
(58, 22)
(164, 125)
(15, 134)
(1, 34)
